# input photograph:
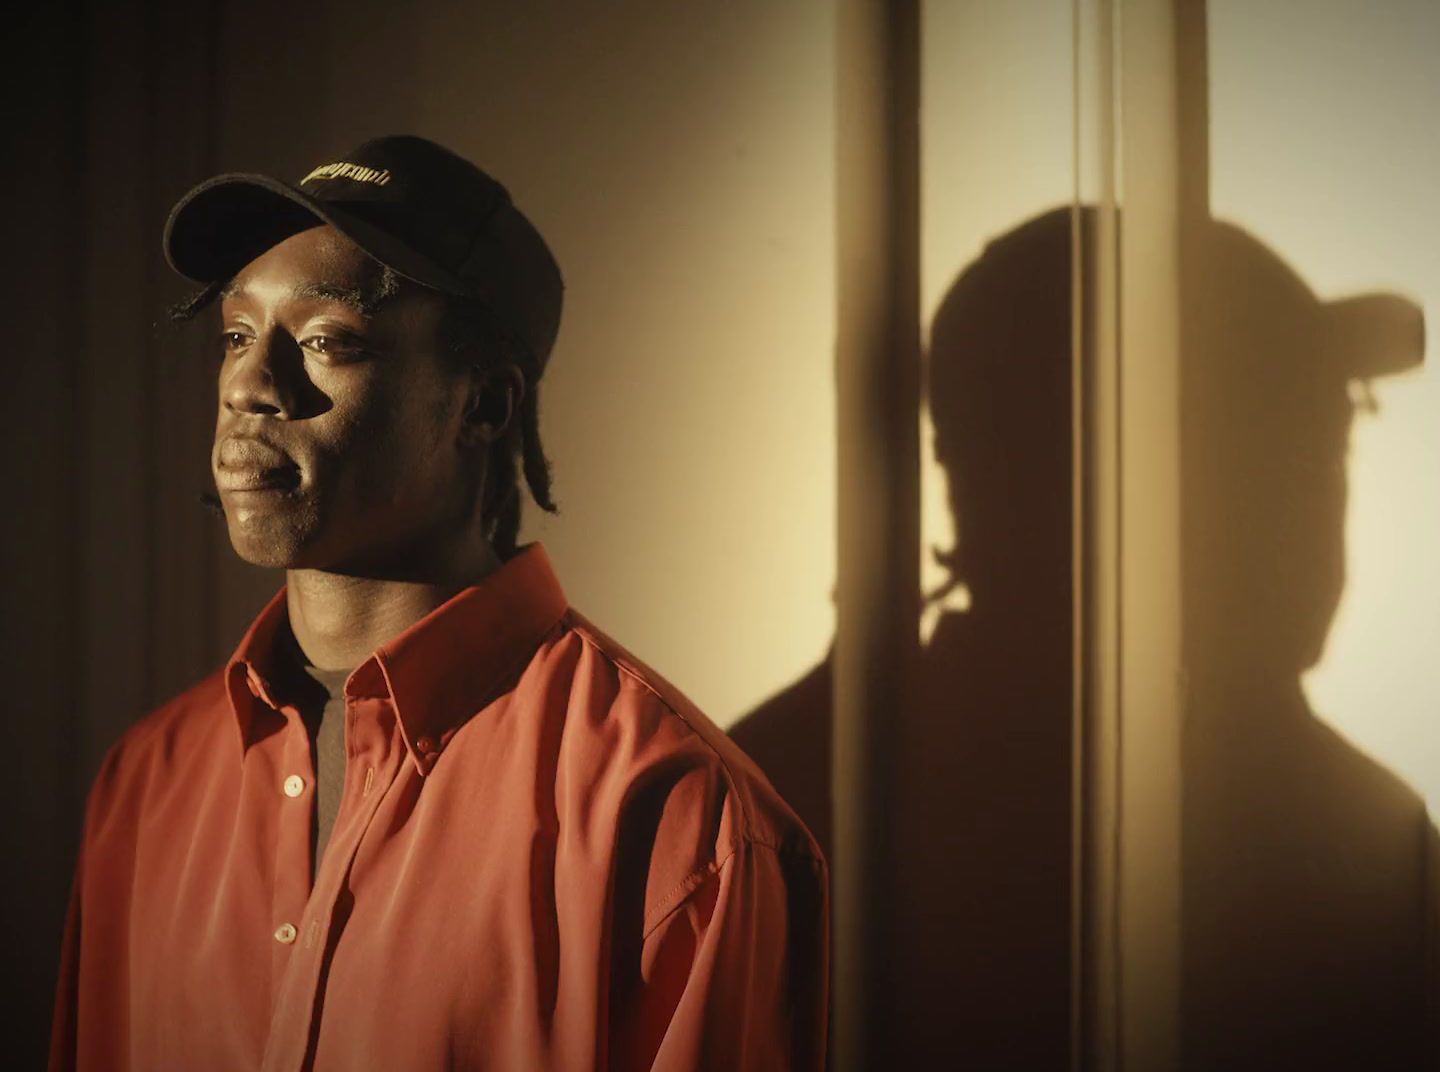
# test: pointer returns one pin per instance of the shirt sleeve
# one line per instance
(64, 1021)
(735, 974)
(79, 974)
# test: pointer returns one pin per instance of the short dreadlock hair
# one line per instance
(468, 335)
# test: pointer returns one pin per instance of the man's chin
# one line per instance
(270, 529)
(288, 547)
(269, 543)
(267, 554)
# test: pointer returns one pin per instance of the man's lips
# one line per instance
(246, 464)
(257, 479)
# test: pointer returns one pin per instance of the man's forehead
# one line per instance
(319, 264)
(302, 289)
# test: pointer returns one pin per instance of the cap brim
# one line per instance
(1374, 335)
(226, 222)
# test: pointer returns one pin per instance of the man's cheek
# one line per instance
(386, 475)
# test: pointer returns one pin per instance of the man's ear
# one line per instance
(493, 404)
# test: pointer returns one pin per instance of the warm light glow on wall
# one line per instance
(1324, 147)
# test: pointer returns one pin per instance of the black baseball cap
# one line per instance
(415, 206)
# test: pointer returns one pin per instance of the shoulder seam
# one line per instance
(631, 672)
(748, 832)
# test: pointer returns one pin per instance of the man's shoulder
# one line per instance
(196, 709)
(180, 731)
(674, 753)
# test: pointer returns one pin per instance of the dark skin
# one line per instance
(348, 450)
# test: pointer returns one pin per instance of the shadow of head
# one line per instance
(998, 386)
(1272, 380)
(1272, 377)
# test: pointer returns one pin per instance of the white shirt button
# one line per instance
(294, 785)
(285, 933)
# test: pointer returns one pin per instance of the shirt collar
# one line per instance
(437, 672)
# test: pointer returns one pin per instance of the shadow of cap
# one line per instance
(1252, 303)
(1373, 335)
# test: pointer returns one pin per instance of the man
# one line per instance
(427, 815)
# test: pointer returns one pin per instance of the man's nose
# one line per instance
(261, 379)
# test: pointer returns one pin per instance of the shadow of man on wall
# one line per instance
(979, 819)
(1302, 857)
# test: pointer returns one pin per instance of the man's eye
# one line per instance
(331, 346)
(234, 340)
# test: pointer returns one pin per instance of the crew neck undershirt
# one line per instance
(324, 715)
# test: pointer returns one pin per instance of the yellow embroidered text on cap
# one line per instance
(379, 176)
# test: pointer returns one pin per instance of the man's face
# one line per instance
(336, 441)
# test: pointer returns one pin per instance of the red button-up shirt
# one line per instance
(545, 858)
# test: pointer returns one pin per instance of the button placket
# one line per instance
(382, 753)
(293, 777)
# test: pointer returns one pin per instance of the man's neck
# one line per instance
(339, 619)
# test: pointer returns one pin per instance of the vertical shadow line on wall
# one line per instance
(1077, 570)
(878, 500)
(1098, 746)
